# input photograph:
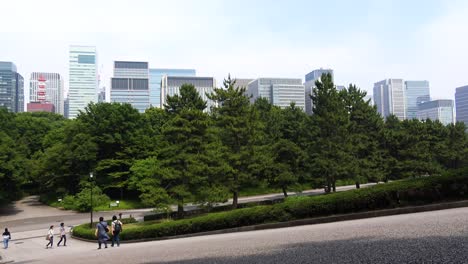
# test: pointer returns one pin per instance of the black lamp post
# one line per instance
(92, 185)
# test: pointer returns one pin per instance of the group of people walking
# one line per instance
(50, 236)
(101, 234)
(102, 231)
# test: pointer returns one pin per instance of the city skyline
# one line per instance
(427, 46)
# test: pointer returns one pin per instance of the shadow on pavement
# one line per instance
(365, 250)
(10, 209)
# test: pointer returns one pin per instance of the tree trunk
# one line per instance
(235, 199)
(285, 192)
(180, 210)
(121, 193)
(358, 185)
(329, 186)
(334, 186)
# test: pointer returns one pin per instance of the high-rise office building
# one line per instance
(66, 107)
(309, 86)
(389, 97)
(130, 84)
(279, 91)
(170, 86)
(242, 83)
(82, 79)
(316, 74)
(46, 88)
(155, 78)
(416, 92)
(461, 104)
(441, 110)
(11, 88)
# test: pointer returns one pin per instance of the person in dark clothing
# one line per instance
(63, 235)
(116, 229)
(6, 237)
(101, 232)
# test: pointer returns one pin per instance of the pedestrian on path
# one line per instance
(62, 235)
(50, 237)
(101, 232)
(116, 228)
(6, 237)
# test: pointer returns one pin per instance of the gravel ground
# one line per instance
(429, 237)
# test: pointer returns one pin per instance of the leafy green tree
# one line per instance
(329, 151)
(418, 152)
(149, 136)
(113, 128)
(364, 131)
(455, 154)
(271, 119)
(180, 172)
(187, 99)
(11, 169)
(239, 130)
(69, 156)
(148, 177)
(391, 143)
(287, 165)
(82, 200)
(7, 123)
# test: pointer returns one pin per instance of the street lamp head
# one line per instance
(91, 175)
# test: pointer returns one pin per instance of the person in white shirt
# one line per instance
(62, 235)
(50, 237)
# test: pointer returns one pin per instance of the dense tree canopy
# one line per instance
(188, 153)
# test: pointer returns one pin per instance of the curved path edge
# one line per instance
(310, 221)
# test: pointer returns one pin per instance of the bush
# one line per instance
(390, 195)
(82, 200)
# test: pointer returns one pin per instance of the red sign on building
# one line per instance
(41, 90)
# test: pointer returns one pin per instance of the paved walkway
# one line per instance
(429, 237)
(29, 207)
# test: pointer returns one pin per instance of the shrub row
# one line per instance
(205, 210)
(390, 195)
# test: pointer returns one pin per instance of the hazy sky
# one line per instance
(363, 41)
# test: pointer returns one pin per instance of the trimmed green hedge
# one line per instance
(407, 192)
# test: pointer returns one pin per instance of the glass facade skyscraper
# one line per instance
(155, 77)
(82, 79)
(441, 110)
(278, 91)
(390, 99)
(461, 104)
(130, 84)
(11, 88)
(416, 92)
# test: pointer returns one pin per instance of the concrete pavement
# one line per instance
(429, 237)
